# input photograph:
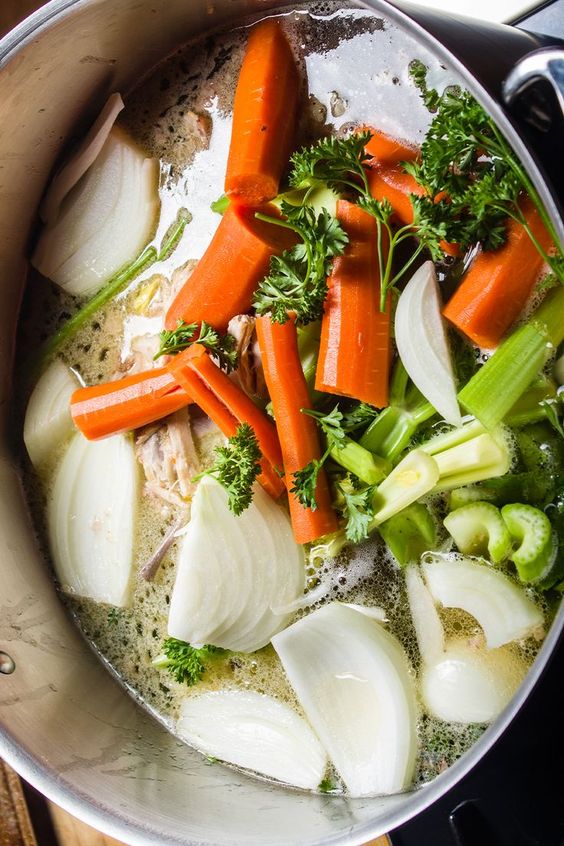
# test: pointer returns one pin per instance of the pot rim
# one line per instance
(84, 807)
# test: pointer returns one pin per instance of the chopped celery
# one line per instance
(478, 529)
(496, 387)
(530, 407)
(392, 430)
(468, 454)
(460, 497)
(480, 458)
(532, 530)
(308, 349)
(410, 533)
(369, 468)
(414, 476)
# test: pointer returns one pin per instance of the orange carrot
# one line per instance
(298, 432)
(225, 278)
(264, 116)
(355, 348)
(387, 151)
(125, 404)
(228, 406)
(495, 288)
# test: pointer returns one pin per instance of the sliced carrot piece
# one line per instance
(387, 151)
(228, 406)
(299, 437)
(264, 116)
(125, 404)
(495, 288)
(355, 349)
(224, 280)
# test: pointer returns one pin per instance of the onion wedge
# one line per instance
(48, 419)
(422, 342)
(81, 159)
(256, 732)
(91, 519)
(104, 221)
(234, 573)
(354, 683)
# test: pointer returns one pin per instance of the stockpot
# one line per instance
(68, 726)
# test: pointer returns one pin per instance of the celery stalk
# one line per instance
(410, 533)
(369, 468)
(479, 529)
(414, 476)
(496, 387)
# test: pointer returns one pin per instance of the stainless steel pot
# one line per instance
(67, 725)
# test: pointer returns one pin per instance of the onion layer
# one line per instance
(503, 610)
(256, 732)
(91, 517)
(422, 342)
(47, 418)
(353, 681)
(233, 572)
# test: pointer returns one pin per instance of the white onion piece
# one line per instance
(233, 572)
(256, 732)
(426, 621)
(471, 683)
(104, 221)
(422, 342)
(353, 681)
(82, 158)
(503, 610)
(48, 419)
(91, 518)
(461, 681)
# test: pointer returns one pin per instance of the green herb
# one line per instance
(305, 482)
(357, 509)
(149, 256)
(184, 662)
(359, 417)
(327, 786)
(297, 281)
(465, 157)
(114, 615)
(331, 424)
(551, 408)
(237, 467)
(222, 347)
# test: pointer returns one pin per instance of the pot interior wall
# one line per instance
(69, 727)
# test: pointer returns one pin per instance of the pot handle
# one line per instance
(542, 65)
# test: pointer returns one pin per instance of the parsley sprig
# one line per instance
(237, 467)
(183, 661)
(472, 178)
(297, 281)
(305, 480)
(222, 347)
(357, 507)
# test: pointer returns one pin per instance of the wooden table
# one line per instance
(19, 824)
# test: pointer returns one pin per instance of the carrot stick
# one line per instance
(264, 116)
(228, 406)
(298, 433)
(125, 404)
(496, 287)
(387, 151)
(355, 348)
(225, 278)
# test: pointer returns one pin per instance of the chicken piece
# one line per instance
(249, 374)
(169, 458)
